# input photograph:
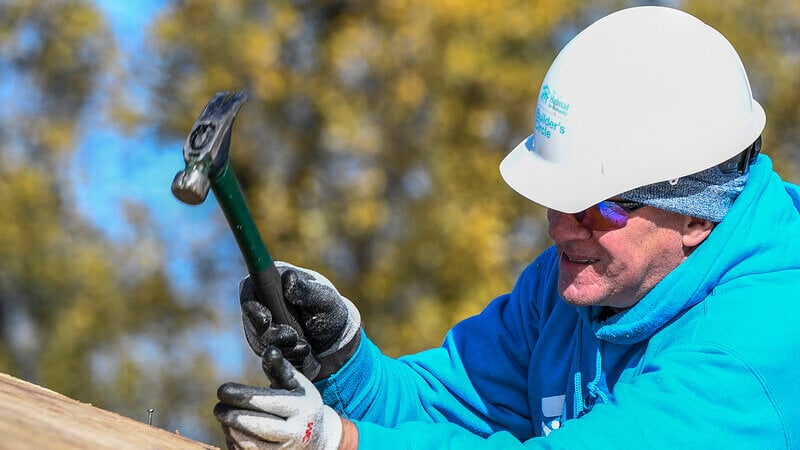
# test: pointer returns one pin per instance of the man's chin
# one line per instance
(577, 295)
(578, 301)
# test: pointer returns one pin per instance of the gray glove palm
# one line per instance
(330, 322)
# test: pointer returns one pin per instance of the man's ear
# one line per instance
(695, 231)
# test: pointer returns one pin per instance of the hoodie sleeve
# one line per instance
(682, 399)
(475, 383)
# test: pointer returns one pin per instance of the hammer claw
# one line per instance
(205, 150)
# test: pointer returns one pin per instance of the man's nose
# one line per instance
(564, 227)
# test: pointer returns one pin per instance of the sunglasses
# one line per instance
(607, 215)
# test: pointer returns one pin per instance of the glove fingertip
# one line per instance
(221, 411)
(257, 313)
(272, 356)
(224, 388)
(271, 363)
(278, 369)
(288, 278)
(295, 280)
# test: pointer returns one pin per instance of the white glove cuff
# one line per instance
(352, 328)
(333, 429)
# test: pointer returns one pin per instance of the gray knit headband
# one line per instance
(708, 194)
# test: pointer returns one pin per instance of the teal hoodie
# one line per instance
(706, 359)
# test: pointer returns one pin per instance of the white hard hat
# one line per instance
(643, 95)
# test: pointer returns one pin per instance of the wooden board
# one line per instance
(34, 417)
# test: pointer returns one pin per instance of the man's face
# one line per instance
(616, 268)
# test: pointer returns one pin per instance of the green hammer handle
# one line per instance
(263, 273)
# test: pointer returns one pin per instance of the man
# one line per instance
(664, 315)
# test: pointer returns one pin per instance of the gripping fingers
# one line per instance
(276, 403)
(288, 414)
(285, 338)
(260, 333)
(260, 425)
(256, 320)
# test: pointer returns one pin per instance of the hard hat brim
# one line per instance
(551, 185)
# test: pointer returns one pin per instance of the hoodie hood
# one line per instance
(758, 234)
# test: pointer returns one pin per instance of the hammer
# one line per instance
(205, 152)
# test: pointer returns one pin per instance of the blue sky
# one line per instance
(111, 168)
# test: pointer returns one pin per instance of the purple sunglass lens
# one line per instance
(603, 216)
(613, 214)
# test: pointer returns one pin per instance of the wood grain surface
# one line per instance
(32, 417)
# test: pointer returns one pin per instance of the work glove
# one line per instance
(330, 322)
(287, 415)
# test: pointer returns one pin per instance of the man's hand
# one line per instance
(287, 415)
(330, 322)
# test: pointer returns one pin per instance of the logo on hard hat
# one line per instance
(554, 103)
(545, 93)
(550, 106)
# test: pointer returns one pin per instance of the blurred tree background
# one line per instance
(368, 150)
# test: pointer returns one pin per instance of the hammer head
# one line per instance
(205, 150)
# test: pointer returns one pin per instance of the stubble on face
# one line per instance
(618, 268)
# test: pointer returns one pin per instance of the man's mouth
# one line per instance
(579, 259)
